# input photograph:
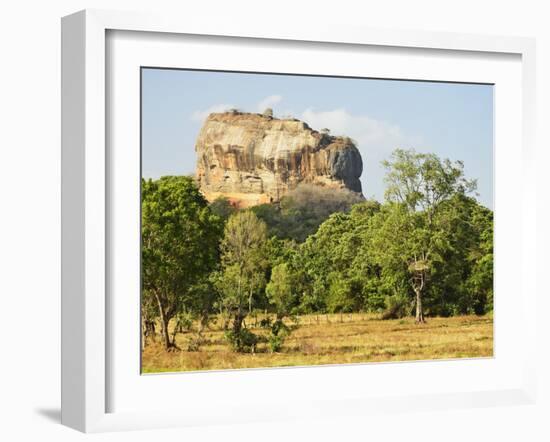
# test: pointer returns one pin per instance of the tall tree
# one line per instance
(417, 185)
(180, 244)
(322, 258)
(280, 290)
(480, 258)
(337, 264)
(243, 266)
(281, 294)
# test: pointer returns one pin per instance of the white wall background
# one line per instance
(30, 215)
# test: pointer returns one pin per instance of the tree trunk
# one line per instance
(419, 312)
(203, 324)
(164, 320)
(165, 335)
(237, 323)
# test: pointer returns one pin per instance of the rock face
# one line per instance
(255, 158)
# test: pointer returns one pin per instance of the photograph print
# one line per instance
(296, 220)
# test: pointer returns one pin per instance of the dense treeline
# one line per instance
(426, 251)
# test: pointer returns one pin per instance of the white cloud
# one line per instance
(371, 134)
(375, 139)
(201, 115)
(269, 102)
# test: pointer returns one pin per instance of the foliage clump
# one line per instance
(302, 210)
(276, 339)
(397, 307)
(242, 341)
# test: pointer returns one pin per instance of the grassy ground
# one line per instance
(359, 338)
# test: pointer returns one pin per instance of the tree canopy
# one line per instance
(180, 245)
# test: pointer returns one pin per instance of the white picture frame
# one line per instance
(86, 208)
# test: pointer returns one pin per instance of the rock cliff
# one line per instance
(255, 158)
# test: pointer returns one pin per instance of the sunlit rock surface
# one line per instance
(254, 158)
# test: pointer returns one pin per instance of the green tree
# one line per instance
(403, 246)
(222, 207)
(340, 296)
(421, 181)
(337, 261)
(480, 258)
(322, 257)
(243, 268)
(202, 298)
(180, 245)
(411, 236)
(280, 292)
(461, 282)
(282, 297)
(149, 316)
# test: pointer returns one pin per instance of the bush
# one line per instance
(279, 332)
(184, 322)
(275, 342)
(194, 343)
(280, 328)
(222, 207)
(265, 323)
(397, 307)
(243, 342)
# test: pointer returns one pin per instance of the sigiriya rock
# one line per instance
(256, 158)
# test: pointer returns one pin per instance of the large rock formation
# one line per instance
(255, 158)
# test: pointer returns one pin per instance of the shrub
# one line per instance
(184, 322)
(397, 306)
(194, 343)
(222, 207)
(265, 323)
(276, 339)
(275, 342)
(243, 342)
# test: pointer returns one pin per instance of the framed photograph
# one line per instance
(252, 212)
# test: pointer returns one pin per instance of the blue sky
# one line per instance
(451, 120)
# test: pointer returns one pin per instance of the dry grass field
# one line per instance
(335, 339)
